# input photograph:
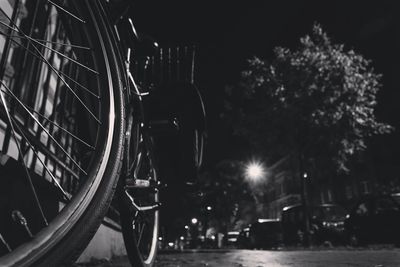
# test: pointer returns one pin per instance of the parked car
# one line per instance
(326, 224)
(265, 234)
(374, 219)
(243, 238)
(211, 238)
(232, 238)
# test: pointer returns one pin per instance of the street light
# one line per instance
(209, 208)
(194, 220)
(255, 171)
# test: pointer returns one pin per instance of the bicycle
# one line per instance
(73, 130)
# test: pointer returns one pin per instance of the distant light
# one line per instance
(209, 208)
(194, 220)
(267, 220)
(233, 233)
(160, 238)
(255, 171)
(213, 237)
(305, 175)
(182, 238)
(186, 227)
(170, 244)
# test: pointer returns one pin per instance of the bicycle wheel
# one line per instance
(138, 201)
(182, 148)
(61, 128)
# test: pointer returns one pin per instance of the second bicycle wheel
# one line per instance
(61, 128)
(139, 198)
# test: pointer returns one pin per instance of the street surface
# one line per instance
(263, 258)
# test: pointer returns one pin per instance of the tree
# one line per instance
(316, 101)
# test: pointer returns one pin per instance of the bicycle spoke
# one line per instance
(59, 127)
(5, 243)
(48, 42)
(28, 176)
(27, 37)
(51, 67)
(60, 54)
(141, 234)
(66, 11)
(77, 83)
(44, 165)
(45, 46)
(57, 52)
(56, 71)
(53, 157)
(71, 90)
(42, 127)
(66, 131)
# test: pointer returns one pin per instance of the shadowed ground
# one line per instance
(262, 258)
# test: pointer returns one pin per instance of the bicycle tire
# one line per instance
(83, 29)
(139, 229)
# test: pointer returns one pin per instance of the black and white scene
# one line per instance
(199, 133)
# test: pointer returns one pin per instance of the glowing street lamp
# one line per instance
(194, 220)
(255, 171)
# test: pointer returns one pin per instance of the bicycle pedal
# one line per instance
(143, 184)
(137, 183)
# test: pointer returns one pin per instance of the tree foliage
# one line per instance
(317, 100)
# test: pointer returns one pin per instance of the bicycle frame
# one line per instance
(142, 96)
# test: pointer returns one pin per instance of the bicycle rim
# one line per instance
(61, 114)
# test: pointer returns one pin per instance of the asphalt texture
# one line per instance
(266, 258)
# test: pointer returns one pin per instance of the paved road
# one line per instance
(259, 258)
